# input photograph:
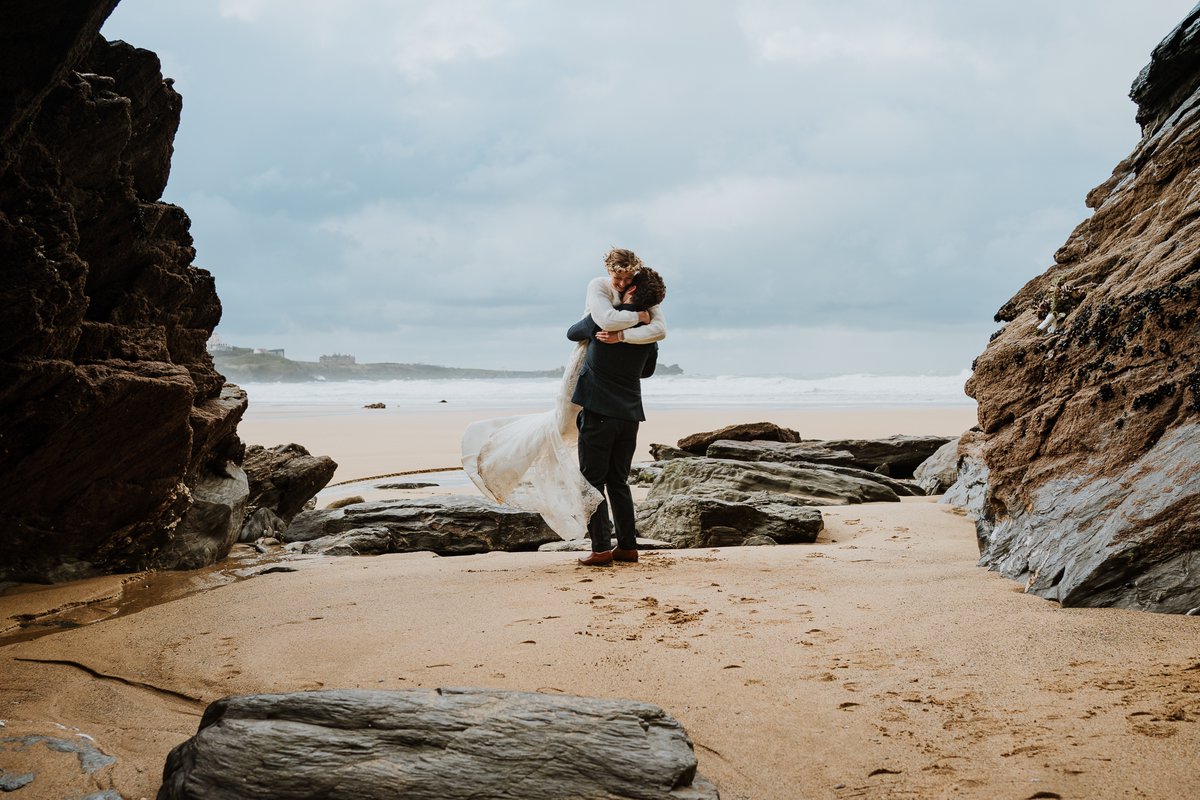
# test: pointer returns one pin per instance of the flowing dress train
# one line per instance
(530, 462)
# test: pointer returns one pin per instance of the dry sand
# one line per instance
(878, 662)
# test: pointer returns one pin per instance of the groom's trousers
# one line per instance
(606, 446)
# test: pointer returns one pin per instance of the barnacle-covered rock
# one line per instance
(1092, 427)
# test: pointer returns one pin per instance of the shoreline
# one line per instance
(373, 442)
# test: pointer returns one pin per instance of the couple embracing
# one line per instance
(561, 463)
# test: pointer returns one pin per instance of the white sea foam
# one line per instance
(667, 391)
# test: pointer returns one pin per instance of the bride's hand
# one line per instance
(628, 296)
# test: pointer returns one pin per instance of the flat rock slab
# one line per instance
(897, 456)
(732, 480)
(433, 745)
(697, 443)
(451, 525)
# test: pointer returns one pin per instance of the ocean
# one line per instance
(666, 391)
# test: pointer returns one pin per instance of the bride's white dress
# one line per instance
(530, 462)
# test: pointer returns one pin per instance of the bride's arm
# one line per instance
(653, 331)
(600, 307)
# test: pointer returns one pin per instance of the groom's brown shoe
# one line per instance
(601, 559)
(625, 555)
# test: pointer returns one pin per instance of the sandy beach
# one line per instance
(878, 662)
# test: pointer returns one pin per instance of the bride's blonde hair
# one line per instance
(621, 260)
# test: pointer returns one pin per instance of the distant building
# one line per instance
(217, 346)
(336, 360)
(269, 352)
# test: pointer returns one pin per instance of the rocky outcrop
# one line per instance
(698, 443)
(1091, 424)
(285, 477)
(113, 417)
(810, 456)
(451, 525)
(733, 480)
(689, 520)
(433, 744)
(894, 456)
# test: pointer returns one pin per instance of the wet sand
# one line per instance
(878, 662)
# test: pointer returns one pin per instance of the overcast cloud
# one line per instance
(827, 187)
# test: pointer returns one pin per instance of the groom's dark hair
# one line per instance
(651, 289)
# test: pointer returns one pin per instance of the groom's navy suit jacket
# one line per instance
(610, 381)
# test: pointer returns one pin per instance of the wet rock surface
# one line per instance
(436, 744)
(1091, 424)
(451, 525)
(112, 413)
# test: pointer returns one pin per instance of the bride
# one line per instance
(530, 462)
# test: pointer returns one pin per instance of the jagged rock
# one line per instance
(433, 745)
(664, 452)
(375, 405)
(901, 455)
(939, 472)
(687, 520)
(759, 541)
(583, 545)
(733, 480)
(809, 456)
(1092, 434)
(813, 452)
(697, 443)
(451, 525)
(262, 522)
(285, 477)
(113, 415)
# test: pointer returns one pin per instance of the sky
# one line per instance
(828, 187)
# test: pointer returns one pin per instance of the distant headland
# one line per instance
(258, 365)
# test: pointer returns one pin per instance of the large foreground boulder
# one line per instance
(113, 419)
(1089, 397)
(433, 745)
(451, 525)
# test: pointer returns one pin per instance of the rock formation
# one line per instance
(1091, 419)
(435, 744)
(697, 443)
(113, 422)
(449, 526)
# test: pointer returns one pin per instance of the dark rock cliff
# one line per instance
(118, 442)
(1092, 425)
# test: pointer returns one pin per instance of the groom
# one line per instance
(610, 392)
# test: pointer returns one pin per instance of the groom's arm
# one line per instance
(582, 331)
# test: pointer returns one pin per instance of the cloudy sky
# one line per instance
(827, 186)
